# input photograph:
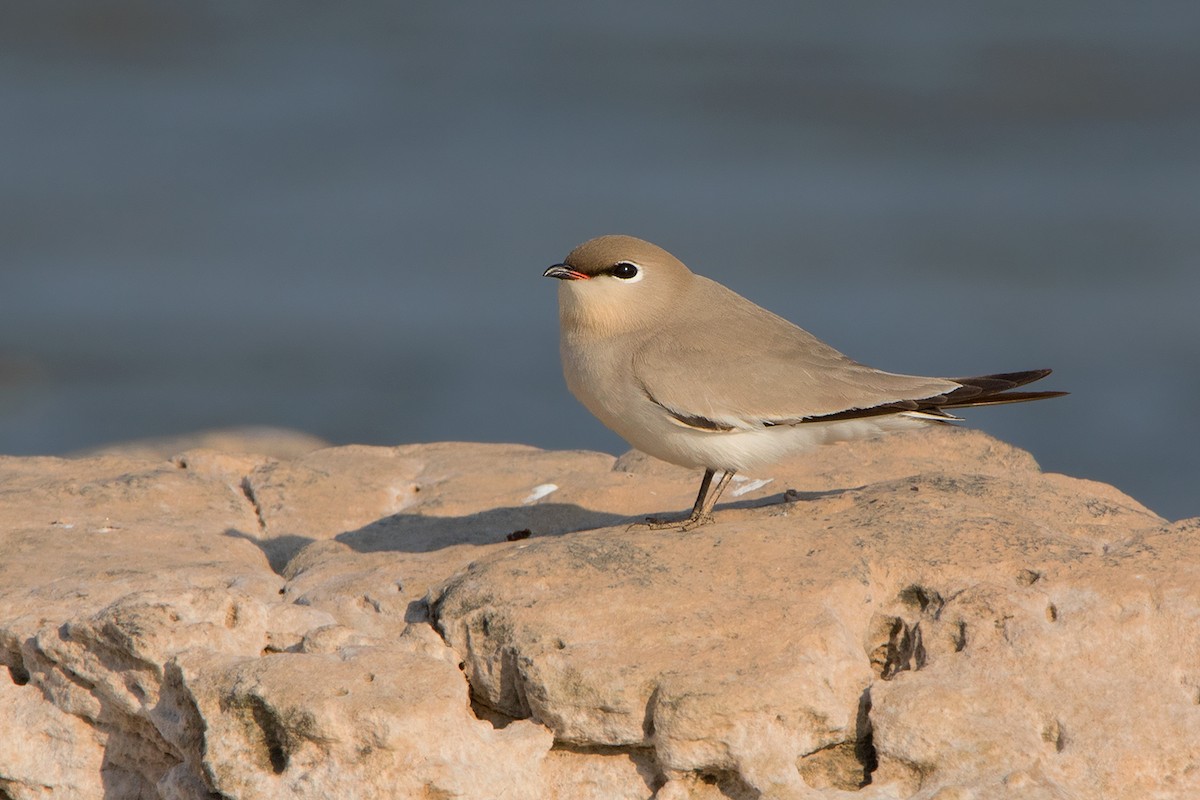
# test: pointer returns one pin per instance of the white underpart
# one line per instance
(748, 485)
(540, 491)
(747, 447)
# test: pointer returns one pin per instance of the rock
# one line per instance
(387, 721)
(922, 616)
(279, 443)
(44, 749)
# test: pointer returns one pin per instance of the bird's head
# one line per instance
(612, 284)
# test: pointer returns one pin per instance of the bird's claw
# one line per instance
(675, 523)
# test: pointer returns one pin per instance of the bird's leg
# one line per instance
(701, 514)
(705, 485)
(660, 523)
(707, 500)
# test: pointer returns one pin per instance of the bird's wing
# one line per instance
(729, 364)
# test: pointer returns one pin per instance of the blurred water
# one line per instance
(335, 217)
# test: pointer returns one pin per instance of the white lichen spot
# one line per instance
(748, 485)
(400, 496)
(539, 492)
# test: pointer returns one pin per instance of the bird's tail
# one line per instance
(984, 390)
(990, 390)
(981, 390)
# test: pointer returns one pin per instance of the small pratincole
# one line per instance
(697, 375)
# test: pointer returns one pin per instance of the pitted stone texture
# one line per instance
(929, 613)
(363, 721)
(760, 650)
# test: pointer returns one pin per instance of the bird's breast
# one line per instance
(599, 374)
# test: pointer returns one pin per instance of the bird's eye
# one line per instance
(624, 270)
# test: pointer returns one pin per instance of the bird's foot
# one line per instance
(696, 521)
(673, 523)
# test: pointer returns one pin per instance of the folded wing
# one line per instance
(760, 370)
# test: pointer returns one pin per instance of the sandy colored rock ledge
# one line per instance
(923, 616)
(281, 443)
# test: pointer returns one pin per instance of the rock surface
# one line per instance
(921, 616)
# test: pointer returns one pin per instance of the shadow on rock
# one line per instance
(418, 533)
(278, 549)
(423, 533)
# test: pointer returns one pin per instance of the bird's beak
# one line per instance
(564, 273)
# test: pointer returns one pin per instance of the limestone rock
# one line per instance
(922, 616)
(376, 722)
(772, 645)
(44, 749)
(278, 443)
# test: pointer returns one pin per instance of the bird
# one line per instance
(692, 373)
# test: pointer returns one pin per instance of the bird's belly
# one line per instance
(606, 388)
(752, 449)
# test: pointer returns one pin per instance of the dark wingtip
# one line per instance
(1006, 397)
(1012, 379)
(987, 390)
(981, 390)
